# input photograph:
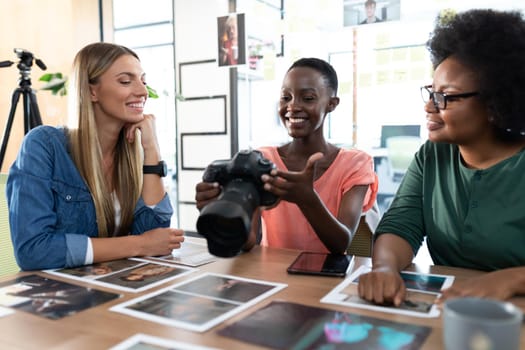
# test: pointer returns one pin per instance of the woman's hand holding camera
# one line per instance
(206, 192)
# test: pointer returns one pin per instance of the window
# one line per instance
(148, 30)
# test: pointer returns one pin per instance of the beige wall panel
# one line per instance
(53, 30)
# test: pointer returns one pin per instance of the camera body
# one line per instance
(246, 165)
(226, 222)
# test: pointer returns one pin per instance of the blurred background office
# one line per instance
(207, 112)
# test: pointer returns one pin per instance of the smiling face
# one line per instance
(305, 101)
(119, 93)
(465, 120)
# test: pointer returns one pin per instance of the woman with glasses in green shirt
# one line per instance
(465, 189)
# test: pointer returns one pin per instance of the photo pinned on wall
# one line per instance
(359, 12)
(231, 38)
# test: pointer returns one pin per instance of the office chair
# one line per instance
(362, 241)
(8, 263)
(400, 152)
(388, 131)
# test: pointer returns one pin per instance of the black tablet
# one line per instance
(309, 263)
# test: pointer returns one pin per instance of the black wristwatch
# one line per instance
(160, 169)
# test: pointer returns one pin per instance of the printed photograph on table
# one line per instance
(200, 303)
(130, 275)
(190, 254)
(99, 269)
(430, 283)
(426, 282)
(50, 298)
(148, 342)
(417, 302)
(285, 325)
(4, 311)
(231, 40)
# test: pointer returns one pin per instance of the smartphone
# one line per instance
(322, 264)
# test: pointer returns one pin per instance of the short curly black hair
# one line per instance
(492, 44)
(323, 67)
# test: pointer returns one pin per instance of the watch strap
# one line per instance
(159, 169)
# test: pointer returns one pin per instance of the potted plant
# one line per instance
(57, 84)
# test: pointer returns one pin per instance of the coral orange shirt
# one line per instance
(285, 226)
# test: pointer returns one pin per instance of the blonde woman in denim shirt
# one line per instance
(78, 195)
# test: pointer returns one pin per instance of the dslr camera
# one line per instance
(226, 222)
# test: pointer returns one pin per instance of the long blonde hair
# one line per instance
(89, 64)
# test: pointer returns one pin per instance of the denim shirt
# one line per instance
(51, 211)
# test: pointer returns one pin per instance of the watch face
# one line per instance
(164, 168)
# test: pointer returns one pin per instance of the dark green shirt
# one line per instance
(471, 218)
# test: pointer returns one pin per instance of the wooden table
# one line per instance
(99, 328)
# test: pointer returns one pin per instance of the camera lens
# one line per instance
(225, 236)
(226, 222)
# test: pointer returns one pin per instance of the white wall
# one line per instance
(203, 118)
(311, 28)
(388, 80)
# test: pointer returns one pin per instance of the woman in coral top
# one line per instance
(323, 189)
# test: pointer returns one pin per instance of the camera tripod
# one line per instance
(31, 113)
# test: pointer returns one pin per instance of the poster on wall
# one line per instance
(360, 12)
(231, 37)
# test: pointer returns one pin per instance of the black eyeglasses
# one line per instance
(439, 99)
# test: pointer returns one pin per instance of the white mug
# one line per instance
(481, 324)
